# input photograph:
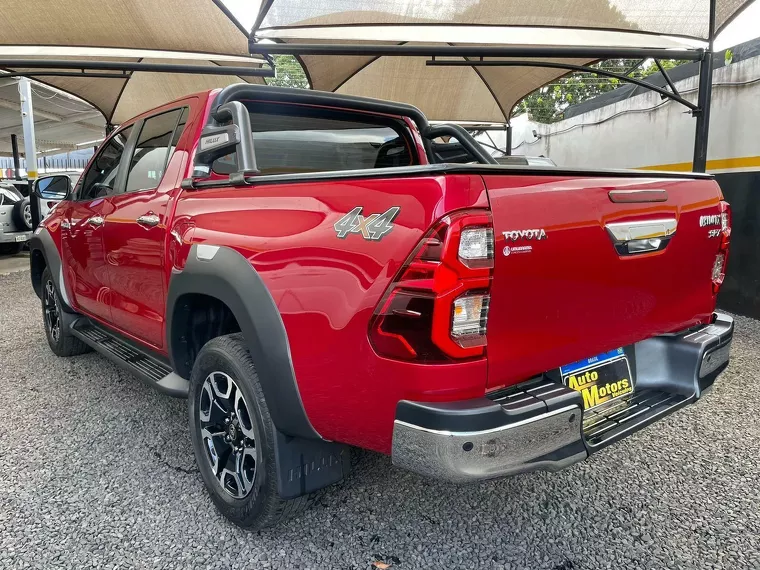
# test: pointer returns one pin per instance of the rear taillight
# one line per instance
(436, 308)
(721, 258)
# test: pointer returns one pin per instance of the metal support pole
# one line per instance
(16, 157)
(508, 144)
(30, 150)
(699, 164)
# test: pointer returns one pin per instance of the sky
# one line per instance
(744, 28)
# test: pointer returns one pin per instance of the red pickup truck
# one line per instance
(305, 269)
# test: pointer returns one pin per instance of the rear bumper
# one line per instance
(14, 237)
(540, 425)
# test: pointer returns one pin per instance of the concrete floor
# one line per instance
(13, 263)
(97, 471)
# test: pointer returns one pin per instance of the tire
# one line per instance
(57, 321)
(248, 499)
(22, 215)
(11, 248)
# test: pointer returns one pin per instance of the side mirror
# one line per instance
(55, 187)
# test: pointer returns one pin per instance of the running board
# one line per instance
(130, 358)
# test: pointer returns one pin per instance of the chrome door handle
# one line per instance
(149, 220)
(96, 221)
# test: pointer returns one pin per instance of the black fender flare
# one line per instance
(226, 275)
(42, 242)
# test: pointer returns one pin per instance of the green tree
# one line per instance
(548, 104)
(289, 73)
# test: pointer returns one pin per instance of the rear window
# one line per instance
(289, 139)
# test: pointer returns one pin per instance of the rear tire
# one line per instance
(22, 215)
(57, 321)
(225, 391)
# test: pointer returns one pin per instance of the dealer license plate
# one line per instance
(20, 238)
(599, 379)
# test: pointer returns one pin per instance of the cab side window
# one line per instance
(157, 140)
(101, 177)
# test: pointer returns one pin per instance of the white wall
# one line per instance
(646, 131)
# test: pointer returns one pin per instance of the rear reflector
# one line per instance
(637, 196)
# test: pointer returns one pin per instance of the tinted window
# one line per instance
(291, 139)
(101, 177)
(152, 151)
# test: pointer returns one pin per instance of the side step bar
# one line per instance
(130, 358)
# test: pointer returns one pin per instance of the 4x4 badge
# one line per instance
(372, 228)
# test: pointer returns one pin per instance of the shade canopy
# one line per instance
(470, 93)
(62, 124)
(187, 32)
(687, 18)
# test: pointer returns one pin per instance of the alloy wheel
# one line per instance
(228, 434)
(28, 215)
(52, 311)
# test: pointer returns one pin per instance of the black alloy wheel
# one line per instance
(228, 434)
(52, 311)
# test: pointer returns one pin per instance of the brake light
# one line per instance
(436, 308)
(721, 258)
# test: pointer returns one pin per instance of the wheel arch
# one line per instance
(44, 253)
(223, 274)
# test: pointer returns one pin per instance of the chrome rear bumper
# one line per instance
(540, 425)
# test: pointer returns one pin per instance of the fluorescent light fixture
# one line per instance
(88, 143)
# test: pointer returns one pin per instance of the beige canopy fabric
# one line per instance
(688, 18)
(188, 32)
(470, 93)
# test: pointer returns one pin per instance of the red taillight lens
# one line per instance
(436, 308)
(721, 258)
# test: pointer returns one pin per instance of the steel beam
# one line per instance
(16, 158)
(555, 65)
(699, 163)
(30, 150)
(78, 68)
(379, 50)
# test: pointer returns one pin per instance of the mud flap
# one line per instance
(307, 465)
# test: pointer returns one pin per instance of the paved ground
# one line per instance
(13, 263)
(96, 470)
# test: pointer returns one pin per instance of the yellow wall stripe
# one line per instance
(717, 164)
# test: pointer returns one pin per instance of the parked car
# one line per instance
(520, 160)
(15, 220)
(303, 268)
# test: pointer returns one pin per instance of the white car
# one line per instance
(15, 219)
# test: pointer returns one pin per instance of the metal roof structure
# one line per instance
(62, 123)
(87, 48)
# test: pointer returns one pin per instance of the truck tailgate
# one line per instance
(562, 290)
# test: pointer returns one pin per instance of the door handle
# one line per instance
(96, 221)
(148, 220)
